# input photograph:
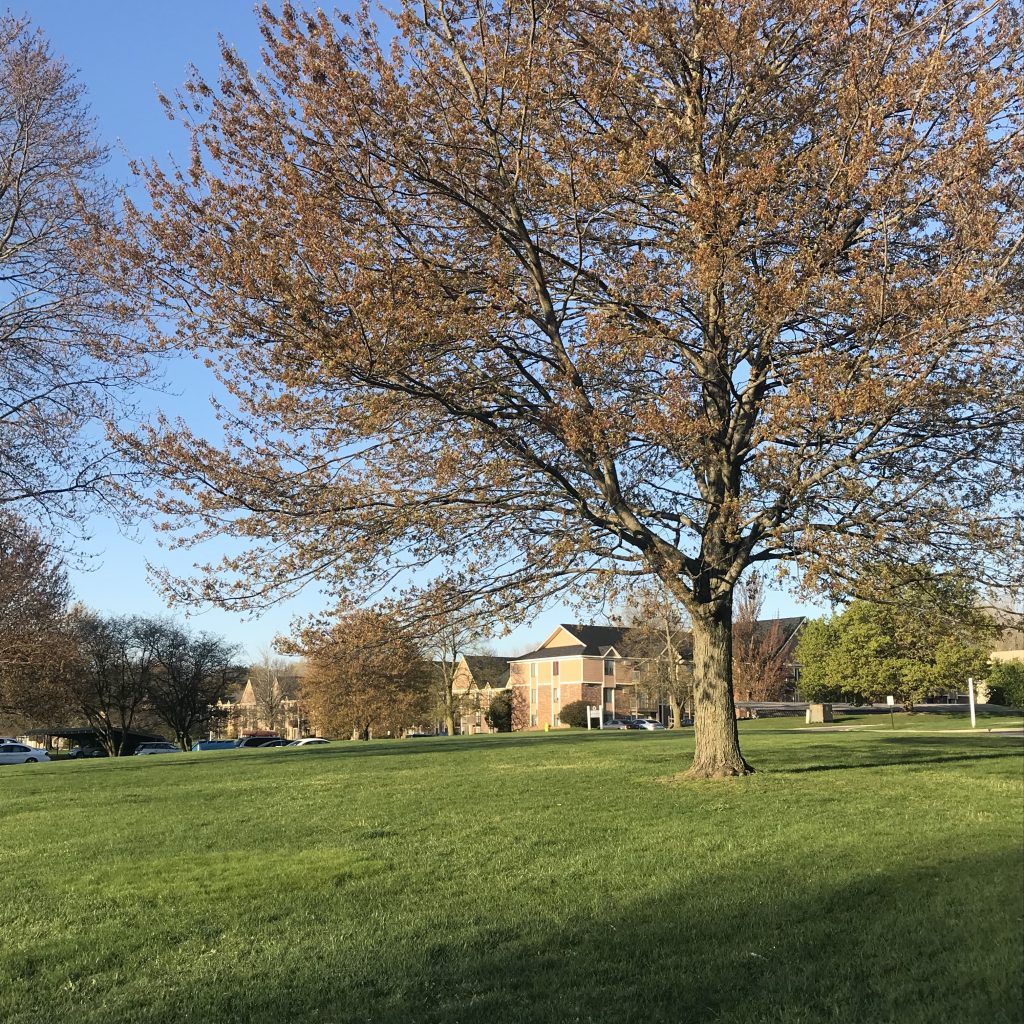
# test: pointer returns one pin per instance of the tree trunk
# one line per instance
(676, 707)
(449, 721)
(717, 751)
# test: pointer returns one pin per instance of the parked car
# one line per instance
(648, 724)
(157, 748)
(213, 744)
(308, 741)
(21, 753)
(259, 741)
(87, 750)
(615, 723)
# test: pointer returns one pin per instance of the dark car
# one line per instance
(260, 741)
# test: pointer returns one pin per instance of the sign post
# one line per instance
(970, 697)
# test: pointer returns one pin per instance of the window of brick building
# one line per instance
(609, 666)
(555, 695)
(554, 668)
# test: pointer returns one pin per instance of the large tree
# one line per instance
(534, 295)
(65, 369)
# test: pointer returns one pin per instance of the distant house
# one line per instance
(603, 666)
(268, 705)
(576, 662)
(478, 677)
(1010, 646)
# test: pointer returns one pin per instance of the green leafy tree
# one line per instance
(499, 714)
(574, 714)
(1006, 684)
(927, 644)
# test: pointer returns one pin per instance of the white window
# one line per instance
(533, 720)
(533, 695)
(555, 694)
(609, 666)
(533, 670)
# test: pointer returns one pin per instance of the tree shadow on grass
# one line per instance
(895, 762)
(933, 938)
(852, 751)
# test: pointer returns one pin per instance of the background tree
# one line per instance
(110, 683)
(659, 632)
(499, 712)
(927, 645)
(444, 635)
(1005, 684)
(65, 369)
(194, 671)
(546, 296)
(366, 678)
(574, 714)
(759, 663)
(272, 686)
(35, 641)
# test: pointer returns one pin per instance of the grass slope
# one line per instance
(858, 877)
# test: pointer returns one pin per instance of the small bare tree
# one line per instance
(759, 668)
(268, 678)
(659, 631)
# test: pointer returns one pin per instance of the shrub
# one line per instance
(1006, 684)
(499, 714)
(574, 714)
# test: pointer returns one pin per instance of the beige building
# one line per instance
(478, 678)
(577, 662)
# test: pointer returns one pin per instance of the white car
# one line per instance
(308, 741)
(19, 753)
(157, 748)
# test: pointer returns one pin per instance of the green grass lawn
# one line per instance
(859, 877)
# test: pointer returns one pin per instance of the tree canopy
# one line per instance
(526, 298)
(928, 644)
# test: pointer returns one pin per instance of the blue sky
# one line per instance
(124, 51)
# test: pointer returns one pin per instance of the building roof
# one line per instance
(599, 641)
(487, 670)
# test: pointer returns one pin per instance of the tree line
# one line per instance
(62, 663)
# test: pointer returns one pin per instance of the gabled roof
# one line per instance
(552, 652)
(597, 639)
(487, 670)
(594, 642)
(621, 641)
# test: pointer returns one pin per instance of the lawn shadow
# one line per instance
(901, 750)
(899, 944)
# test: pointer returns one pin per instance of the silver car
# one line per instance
(157, 748)
(20, 753)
